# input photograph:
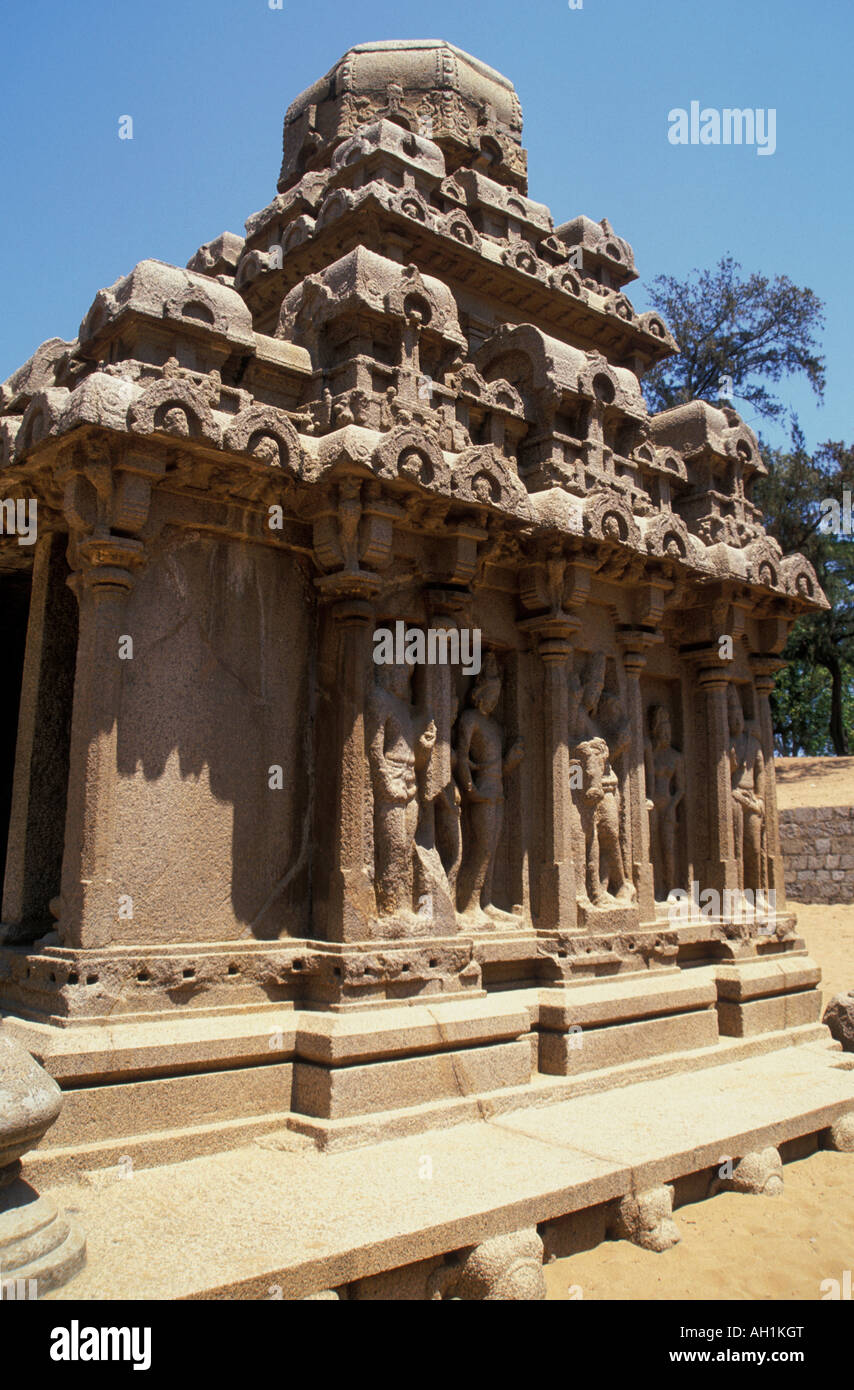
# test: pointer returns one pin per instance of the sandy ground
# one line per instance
(738, 1247)
(814, 782)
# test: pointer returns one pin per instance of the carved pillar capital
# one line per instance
(553, 634)
(635, 642)
(711, 678)
(349, 611)
(106, 563)
(765, 669)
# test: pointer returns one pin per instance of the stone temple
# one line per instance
(388, 976)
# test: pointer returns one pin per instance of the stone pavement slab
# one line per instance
(243, 1223)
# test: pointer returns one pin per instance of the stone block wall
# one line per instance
(818, 851)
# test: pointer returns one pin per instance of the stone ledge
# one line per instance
(363, 1212)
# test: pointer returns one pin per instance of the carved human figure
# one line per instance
(578, 727)
(399, 741)
(614, 725)
(598, 795)
(447, 817)
(747, 766)
(665, 788)
(481, 766)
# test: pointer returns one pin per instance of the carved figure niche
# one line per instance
(747, 767)
(485, 757)
(664, 766)
(599, 744)
(400, 737)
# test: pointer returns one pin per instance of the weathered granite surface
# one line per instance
(395, 742)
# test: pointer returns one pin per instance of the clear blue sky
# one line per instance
(207, 83)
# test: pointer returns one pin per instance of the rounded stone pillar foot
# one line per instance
(504, 1268)
(40, 1249)
(646, 1219)
(840, 1135)
(759, 1173)
(37, 1245)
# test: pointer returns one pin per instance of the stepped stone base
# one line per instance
(427, 1198)
(39, 1248)
(163, 1090)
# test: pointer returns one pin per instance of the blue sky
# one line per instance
(207, 83)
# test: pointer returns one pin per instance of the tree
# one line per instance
(791, 497)
(743, 332)
(800, 706)
(738, 336)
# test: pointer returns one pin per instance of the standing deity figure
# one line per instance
(447, 815)
(481, 765)
(747, 767)
(665, 788)
(399, 742)
(615, 727)
(599, 802)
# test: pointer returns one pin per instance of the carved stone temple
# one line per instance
(376, 974)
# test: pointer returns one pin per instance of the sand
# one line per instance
(814, 782)
(738, 1247)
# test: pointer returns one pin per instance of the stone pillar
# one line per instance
(720, 869)
(634, 660)
(522, 791)
(89, 896)
(693, 802)
(558, 908)
(765, 669)
(350, 903)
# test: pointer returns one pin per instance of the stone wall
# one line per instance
(818, 851)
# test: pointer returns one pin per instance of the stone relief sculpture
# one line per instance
(448, 816)
(665, 786)
(615, 728)
(747, 766)
(399, 742)
(578, 726)
(422, 450)
(593, 715)
(482, 764)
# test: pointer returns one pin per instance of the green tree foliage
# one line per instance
(752, 330)
(756, 331)
(821, 645)
(800, 705)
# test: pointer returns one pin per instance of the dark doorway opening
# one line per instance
(36, 699)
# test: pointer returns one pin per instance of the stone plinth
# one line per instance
(375, 728)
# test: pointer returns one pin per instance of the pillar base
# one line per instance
(40, 1250)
